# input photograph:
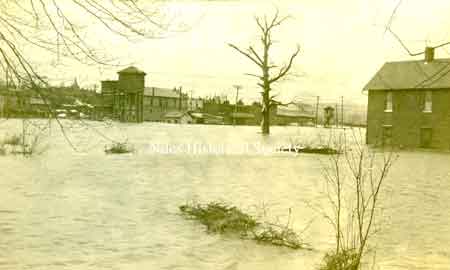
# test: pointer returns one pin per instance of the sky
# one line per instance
(343, 44)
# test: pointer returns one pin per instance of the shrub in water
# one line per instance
(118, 148)
(221, 218)
(218, 217)
(343, 260)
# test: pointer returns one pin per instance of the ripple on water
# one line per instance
(96, 211)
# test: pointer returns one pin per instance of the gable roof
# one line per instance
(294, 110)
(411, 75)
(161, 92)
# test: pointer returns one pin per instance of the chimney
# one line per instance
(429, 54)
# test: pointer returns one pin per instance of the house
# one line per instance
(15, 102)
(408, 104)
(206, 118)
(160, 101)
(242, 118)
(38, 106)
(294, 113)
(177, 118)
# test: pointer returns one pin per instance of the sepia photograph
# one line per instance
(224, 134)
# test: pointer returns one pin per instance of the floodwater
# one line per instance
(66, 209)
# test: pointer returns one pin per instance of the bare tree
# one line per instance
(60, 29)
(354, 180)
(262, 60)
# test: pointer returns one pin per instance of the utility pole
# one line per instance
(317, 110)
(180, 106)
(191, 100)
(337, 115)
(238, 87)
(342, 111)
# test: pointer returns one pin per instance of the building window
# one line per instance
(387, 135)
(388, 102)
(428, 102)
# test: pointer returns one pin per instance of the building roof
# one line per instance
(205, 116)
(131, 70)
(161, 92)
(411, 75)
(294, 110)
(175, 114)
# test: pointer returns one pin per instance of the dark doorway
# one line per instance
(387, 135)
(425, 137)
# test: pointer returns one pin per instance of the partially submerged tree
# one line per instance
(355, 179)
(267, 76)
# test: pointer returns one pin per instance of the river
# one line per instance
(66, 209)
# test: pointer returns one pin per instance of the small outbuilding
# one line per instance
(177, 118)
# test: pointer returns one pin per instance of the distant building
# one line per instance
(177, 118)
(127, 99)
(159, 101)
(409, 104)
(206, 118)
(242, 118)
(123, 99)
(195, 104)
(293, 113)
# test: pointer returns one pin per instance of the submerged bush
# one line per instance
(279, 236)
(343, 260)
(218, 217)
(324, 150)
(118, 148)
(221, 218)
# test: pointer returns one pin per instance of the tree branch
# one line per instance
(284, 70)
(245, 54)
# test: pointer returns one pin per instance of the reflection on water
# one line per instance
(87, 210)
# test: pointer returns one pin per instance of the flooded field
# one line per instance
(66, 209)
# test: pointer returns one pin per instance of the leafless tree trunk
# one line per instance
(354, 180)
(262, 60)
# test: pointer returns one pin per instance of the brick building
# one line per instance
(128, 100)
(123, 98)
(162, 102)
(408, 104)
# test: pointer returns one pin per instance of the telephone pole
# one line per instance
(238, 87)
(337, 115)
(180, 105)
